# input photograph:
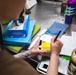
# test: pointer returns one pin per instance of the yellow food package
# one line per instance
(46, 45)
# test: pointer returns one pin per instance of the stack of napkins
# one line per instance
(18, 41)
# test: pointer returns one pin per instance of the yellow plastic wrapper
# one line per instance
(46, 46)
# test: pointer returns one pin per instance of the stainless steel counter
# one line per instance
(46, 12)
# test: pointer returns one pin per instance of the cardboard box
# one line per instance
(20, 30)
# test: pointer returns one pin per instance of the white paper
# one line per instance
(68, 45)
(74, 38)
(74, 34)
(63, 65)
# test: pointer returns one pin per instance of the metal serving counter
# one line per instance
(46, 12)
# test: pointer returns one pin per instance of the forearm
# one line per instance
(53, 65)
(23, 55)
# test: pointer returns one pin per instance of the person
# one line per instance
(14, 64)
